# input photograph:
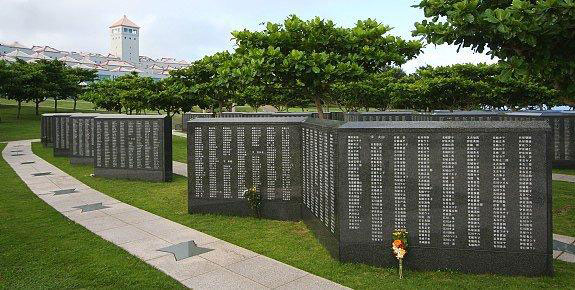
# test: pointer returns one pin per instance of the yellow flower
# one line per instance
(401, 253)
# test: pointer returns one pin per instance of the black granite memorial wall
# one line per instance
(61, 138)
(474, 196)
(467, 116)
(226, 156)
(378, 116)
(47, 130)
(82, 138)
(186, 117)
(562, 132)
(319, 180)
(133, 147)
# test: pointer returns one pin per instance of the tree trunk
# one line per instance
(221, 107)
(75, 100)
(19, 107)
(56, 105)
(319, 108)
(37, 107)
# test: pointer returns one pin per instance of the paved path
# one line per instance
(179, 133)
(224, 266)
(565, 241)
(564, 177)
(180, 168)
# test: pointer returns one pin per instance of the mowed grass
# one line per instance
(179, 149)
(292, 242)
(25, 127)
(49, 104)
(40, 248)
(564, 209)
(568, 171)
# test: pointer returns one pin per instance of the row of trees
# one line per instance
(132, 93)
(299, 63)
(37, 81)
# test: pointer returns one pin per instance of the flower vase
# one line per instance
(400, 268)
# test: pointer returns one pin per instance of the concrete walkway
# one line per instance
(180, 168)
(566, 242)
(564, 177)
(179, 133)
(216, 264)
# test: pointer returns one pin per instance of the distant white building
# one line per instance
(124, 56)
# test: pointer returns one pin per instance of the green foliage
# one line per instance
(533, 39)
(468, 87)
(255, 199)
(374, 91)
(36, 81)
(305, 59)
(216, 80)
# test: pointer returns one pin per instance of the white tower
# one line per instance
(124, 35)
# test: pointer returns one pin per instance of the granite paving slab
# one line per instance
(180, 168)
(143, 234)
(564, 177)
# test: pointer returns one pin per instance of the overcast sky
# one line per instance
(190, 29)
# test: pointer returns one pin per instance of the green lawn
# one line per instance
(40, 248)
(568, 171)
(179, 149)
(294, 244)
(564, 208)
(27, 127)
(49, 104)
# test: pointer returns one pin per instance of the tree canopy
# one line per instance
(306, 58)
(533, 39)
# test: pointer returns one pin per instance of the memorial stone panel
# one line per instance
(561, 132)
(319, 183)
(133, 147)
(61, 138)
(189, 116)
(82, 138)
(226, 156)
(474, 197)
(47, 130)
(441, 115)
(378, 116)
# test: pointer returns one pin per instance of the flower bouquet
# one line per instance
(399, 247)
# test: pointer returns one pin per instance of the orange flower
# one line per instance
(398, 244)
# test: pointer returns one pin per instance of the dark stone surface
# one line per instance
(185, 250)
(471, 197)
(91, 207)
(82, 138)
(228, 155)
(41, 173)
(474, 196)
(133, 147)
(378, 116)
(60, 136)
(46, 129)
(186, 117)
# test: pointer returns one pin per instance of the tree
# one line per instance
(306, 58)
(173, 96)
(467, 86)
(75, 80)
(103, 94)
(374, 91)
(217, 79)
(532, 39)
(53, 80)
(134, 92)
(13, 82)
